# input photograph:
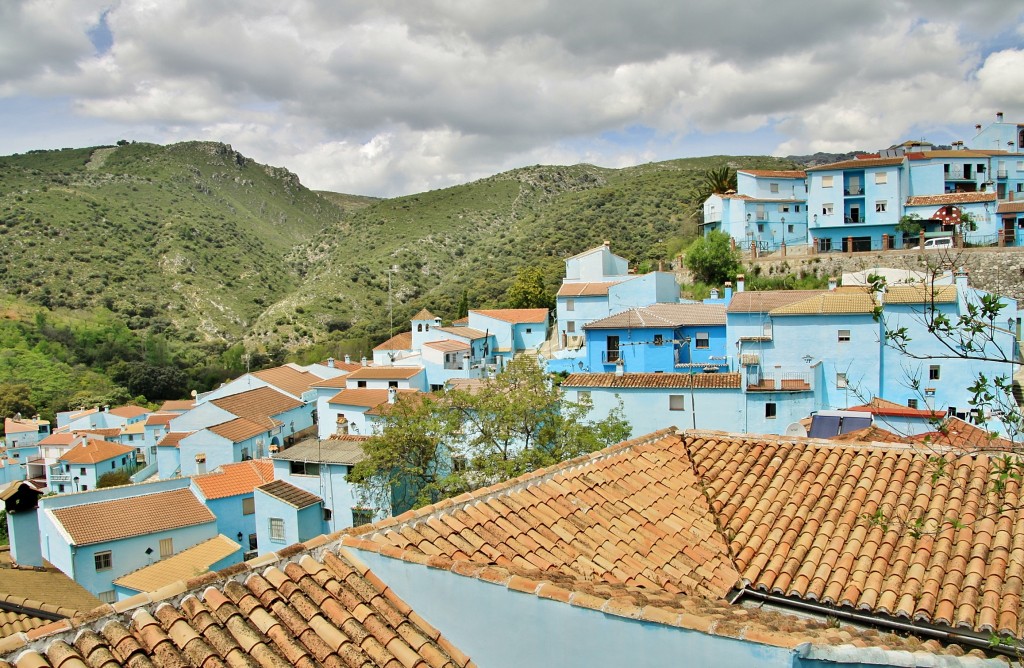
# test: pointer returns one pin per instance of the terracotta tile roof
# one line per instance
(98, 431)
(336, 383)
(515, 316)
(283, 490)
(655, 380)
(1010, 207)
(94, 451)
(186, 564)
(257, 405)
(177, 405)
(161, 418)
(461, 322)
(64, 438)
(359, 397)
(964, 436)
(799, 515)
(288, 378)
(775, 173)
(462, 332)
(830, 302)
(920, 294)
(859, 163)
(630, 514)
(952, 153)
(870, 434)
(385, 373)
(173, 438)
(234, 479)
(663, 316)
(241, 429)
(407, 397)
(129, 412)
(424, 314)
(584, 289)
(763, 301)
(301, 611)
(878, 406)
(30, 425)
(951, 198)
(26, 591)
(447, 345)
(346, 449)
(401, 341)
(104, 521)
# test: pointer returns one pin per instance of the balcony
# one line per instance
(783, 381)
(610, 357)
(60, 477)
(855, 191)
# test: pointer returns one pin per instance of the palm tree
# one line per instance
(713, 181)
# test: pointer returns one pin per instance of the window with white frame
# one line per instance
(840, 380)
(277, 529)
(783, 208)
(166, 547)
(676, 402)
(826, 181)
(702, 340)
(843, 336)
(881, 178)
(827, 208)
(881, 206)
(103, 561)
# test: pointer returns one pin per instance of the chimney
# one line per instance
(363, 361)
(832, 283)
(740, 283)
(392, 395)
(999, 117)
(960, 279)
(714, 293)
(330, 362)
(620, 368)
(728, 290)
(607, 243)
(348, 359)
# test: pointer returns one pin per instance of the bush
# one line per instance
(712, 259)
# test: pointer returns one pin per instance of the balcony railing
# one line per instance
(60, 477)
(853, 191)
(784, 381)
(610, 356)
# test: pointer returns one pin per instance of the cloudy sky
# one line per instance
(385, 98)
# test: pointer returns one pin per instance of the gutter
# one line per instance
(972, 639)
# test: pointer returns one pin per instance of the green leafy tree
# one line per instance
(714, 181)
(463, 310)
(910, 224)
(114, 479)
(528, 290)
(712, 259)
(508, 425)
(16, 398)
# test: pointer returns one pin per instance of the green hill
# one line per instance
(157, 267)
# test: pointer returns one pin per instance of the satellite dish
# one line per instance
(796, 429)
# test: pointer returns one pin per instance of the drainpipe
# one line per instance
(963, 637)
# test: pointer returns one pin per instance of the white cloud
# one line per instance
(392, 97)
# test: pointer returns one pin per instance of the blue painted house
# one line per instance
(769, 208)
(81, 467)
(228, 493)
(668, 338)
(286, 514)
(97, 536)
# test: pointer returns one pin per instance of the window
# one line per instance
(248, 506)
(166, 547)
(702, 340)
(60, 488)
(419, 328)
(85, 488)
(529, 330)
(253, 541)
(361, 516)
(113, 465)
(570, 304)
(790, 228)
(760, 212)
(826, 209)
(277, 529)
(760, 227)
(109, 596)
(393, 383)
(796, 208)
(81, 471)
(783, 208)
(881, 178)
(769, 410)
(880, 206)
(659, 339)
(458, 463)
(582, 395)
(840, 380)
(766, 329)
(773, 187)
(570, 327)
(613, 349)
(844, 336)
(934, 372)
(360, 383)
(826, 181)
(304, 468)
(103, 560)
(981, 168)
(676, 402)
(911, 403)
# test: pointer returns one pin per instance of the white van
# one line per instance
(937, 242)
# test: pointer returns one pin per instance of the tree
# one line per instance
(712, 259)
(714, 181)
(16, 398)
(445, 444)
(528, 291)
(910, 225)
(463, 305)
